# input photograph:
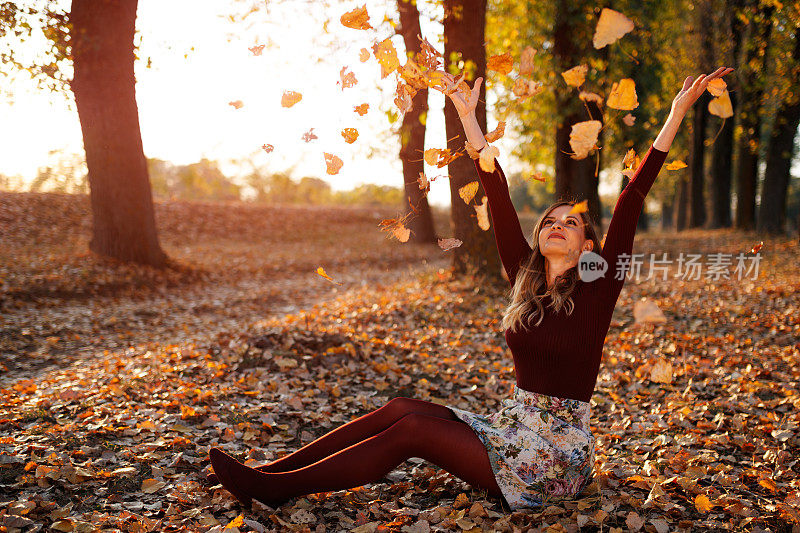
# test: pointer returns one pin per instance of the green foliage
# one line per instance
(198, 181)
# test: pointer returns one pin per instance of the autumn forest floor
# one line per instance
(116, 380)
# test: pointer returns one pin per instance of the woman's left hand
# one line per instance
(693, 89)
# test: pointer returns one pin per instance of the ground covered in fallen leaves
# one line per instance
(117, 380)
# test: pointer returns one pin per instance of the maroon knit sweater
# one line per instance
(561, 356)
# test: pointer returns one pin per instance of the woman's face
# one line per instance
(563, 235)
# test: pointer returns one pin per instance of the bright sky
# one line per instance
(184, 101)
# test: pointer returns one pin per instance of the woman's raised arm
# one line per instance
(511, 242)
(622, 228)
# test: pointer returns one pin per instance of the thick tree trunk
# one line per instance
(694, 188)
(122, 205)
(576, 179)
(780, 152)
(464, 28)
(667, 214)
(412, 136)
(682, 199)
(750, 119)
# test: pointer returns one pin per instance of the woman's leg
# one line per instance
(451, 445)
(357, 430)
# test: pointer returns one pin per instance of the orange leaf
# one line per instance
(501, 63)
(321, 272)
(358, 19)
(334, 163)
(623, 95)
(702, 503)
(361, 109)
(290, 98)
(576, 75)
(350, 135)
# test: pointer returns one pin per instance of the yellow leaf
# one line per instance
(440, 158)
(587, 96)
(350, 135)
(721, 105)
(361, 109)
(501, 63)
(290, 98)
(237, 104)
(401, 233)
(768, 484)
(610, 27)
(386, 55)
(526, 61)
(661, 371)
(467, 192)
(322, 273)
(702, 503)
(583, 138)
(461, 501)
(363, 56)
(236, 522)
(481, 210)
(358, 19)
(471, 151)
(334, 163)
(526, 88)
(675, 165)
(403, 97)
(423, 182)
(576, 75)
(498, 132)
(717, 86)
(348, 79)
(629, 119)
(487, 157)
(580, 207)
(623, 95)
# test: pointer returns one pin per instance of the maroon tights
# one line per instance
(363, 451)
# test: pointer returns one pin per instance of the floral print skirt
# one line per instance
(540, 447)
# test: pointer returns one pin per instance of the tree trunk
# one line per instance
(780, 151)
(576, 179)
(682, 198)
(464, 28)
(667, 214)
(412, 136)
(750, 119)
(122, 205)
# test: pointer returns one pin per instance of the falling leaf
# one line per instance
(350, 135)
(467, 192)
(538, 176)
(403, 97)
(576, 75)
(755, 249)
(481, 210)
(449, 244)
(610, 27)
(386, 55)
(526, 61)
(524, 88)
(237, 104)
(423, 182)
(396, 227)
(357, 19)
(267, 147)
(580, 207)
(623, 95)
(647, 311)
(471, 151)
(629, 119)
(630, 163)
(702, 503)
(401, 233)
(502, 63)
(721, 106)
(363, 56)
(487, 157)
(717, 86)
(583, 138)
(661, 371)
(309, 136)
(498, 132)
(361, 109)
(588, 96)
(290, 98)
(256, 50)
(333, 163)
(675, 165)
(321, 272)
(347, 79)
(440, 158)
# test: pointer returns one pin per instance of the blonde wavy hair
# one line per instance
(530, 285)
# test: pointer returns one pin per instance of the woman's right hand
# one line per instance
(463, 105)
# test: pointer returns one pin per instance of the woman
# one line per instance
(538, 447)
